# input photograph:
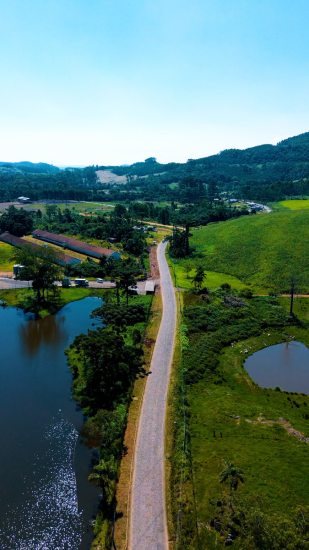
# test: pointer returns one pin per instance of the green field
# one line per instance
(6, 257)
(232, 420)
(82, 207)
(302, 204)
(263, 251)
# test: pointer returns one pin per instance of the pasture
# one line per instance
(260, 251)
(6, 257)
(302, 204)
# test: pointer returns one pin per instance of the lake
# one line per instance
(284, 365)
(46, 501)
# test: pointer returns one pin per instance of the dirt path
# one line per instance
(148, 529)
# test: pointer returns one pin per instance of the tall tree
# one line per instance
(40, 268)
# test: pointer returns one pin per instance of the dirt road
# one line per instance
(148, 530)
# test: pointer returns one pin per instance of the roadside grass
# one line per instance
(226, 412)
(300, 308)
(183, 273)
(123, 493)
(262, 251)
(6, 257)
(179, 487)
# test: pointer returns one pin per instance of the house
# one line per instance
(76, 245)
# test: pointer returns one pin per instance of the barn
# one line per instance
(60, 258)
(74, 244)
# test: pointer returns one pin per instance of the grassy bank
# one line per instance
(230, 420)
(23, 298)
(106, 364)
(260, 251)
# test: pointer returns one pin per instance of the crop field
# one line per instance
(262, 251)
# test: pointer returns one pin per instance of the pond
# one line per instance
(46, 501)
(284, 365)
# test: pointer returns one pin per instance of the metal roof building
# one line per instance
(74, 244)
(59, 257)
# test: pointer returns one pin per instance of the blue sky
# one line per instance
(116, 81)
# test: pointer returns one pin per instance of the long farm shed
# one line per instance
(74, 244)
(59, 257)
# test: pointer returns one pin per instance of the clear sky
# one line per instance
(116, 81)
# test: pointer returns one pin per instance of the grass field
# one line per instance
(225, 428)
(302, 204)
(6, 257)
(82, 207)
(262, 251)
(232, 420)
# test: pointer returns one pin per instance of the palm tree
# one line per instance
(199, 277)
(233, 475)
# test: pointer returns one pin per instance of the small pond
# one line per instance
(284, 365)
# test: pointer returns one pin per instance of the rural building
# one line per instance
(149, 287)
(74, 244)
(24, 200)
(60, 258)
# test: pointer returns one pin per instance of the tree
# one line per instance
(16, 221)
(40, 268)
(110, 366)
(233, 475)
(199, 277)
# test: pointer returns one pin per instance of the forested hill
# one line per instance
(28, 167)
(263, 172)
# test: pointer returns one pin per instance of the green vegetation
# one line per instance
(16, 221)
(262, 251)
(105, 363)
(262, 173)
(6, 257)
(23, 298)
(295, 204)
(235, 464)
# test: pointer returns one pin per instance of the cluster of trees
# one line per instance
(118, 225)
(261, 173)
(16, 221)
(39, 267)
(105, 363)
(70, 184)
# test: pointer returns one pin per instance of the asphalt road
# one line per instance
(148, 528)
(8, 282)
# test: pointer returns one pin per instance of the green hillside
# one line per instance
(263, 250)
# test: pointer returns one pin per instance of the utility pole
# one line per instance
(292, 296)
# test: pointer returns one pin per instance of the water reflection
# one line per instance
(50, 332)
(46, 501)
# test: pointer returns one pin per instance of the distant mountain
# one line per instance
(288, 160)
(264, 172)
(29, 167)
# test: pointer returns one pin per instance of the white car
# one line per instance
(100, 280)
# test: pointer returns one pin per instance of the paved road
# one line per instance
(148, 530)
(9, 282)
